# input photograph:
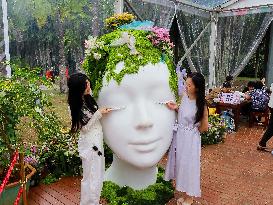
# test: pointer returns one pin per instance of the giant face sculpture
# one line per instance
(136, 82)
(140, 132)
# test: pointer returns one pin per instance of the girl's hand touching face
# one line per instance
(172, 105)
(105, 110)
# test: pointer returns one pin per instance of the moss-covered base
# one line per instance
(158, 194)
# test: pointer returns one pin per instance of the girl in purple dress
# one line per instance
(184, 156)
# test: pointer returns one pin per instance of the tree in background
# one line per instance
(51, 33)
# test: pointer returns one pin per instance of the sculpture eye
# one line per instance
(114, 108)
(163, 102)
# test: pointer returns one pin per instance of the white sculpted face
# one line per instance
(141, 133)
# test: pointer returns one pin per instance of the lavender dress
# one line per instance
(184, 156)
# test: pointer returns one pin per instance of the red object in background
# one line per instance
(49, 74)
(17, 200)
(6, 179)
(66, 73)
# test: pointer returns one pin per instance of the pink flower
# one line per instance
(33, 149)
(30, 160)
(171, 45)
(161, 38)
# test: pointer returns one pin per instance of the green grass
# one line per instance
(59, 106)
(241, 82)
(246, 79)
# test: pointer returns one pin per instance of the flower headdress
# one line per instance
(135, 43)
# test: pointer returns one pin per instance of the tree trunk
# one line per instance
(62, 68)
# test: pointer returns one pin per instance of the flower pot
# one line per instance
(10, 192)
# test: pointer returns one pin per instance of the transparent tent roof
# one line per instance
(226, 4)
(208, 4)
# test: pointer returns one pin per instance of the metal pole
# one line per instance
(119, 4)
(133, 9)
(269, 73)
(212, 48)
(194, 43)
(6, 36)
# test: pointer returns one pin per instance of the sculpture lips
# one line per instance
(145, 142)
(145, 145)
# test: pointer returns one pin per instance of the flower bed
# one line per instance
(216, 132)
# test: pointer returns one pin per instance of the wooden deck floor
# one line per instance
(232, 173)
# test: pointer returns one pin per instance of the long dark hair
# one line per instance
(76, 99)
(199, 83)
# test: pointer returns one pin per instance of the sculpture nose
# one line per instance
(143, 119)
(144, 125)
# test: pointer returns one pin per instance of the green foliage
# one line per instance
(55, 155)
(110, 56)
(20, 97)
(158, 194)
(216, 132)
(49, 179)
(24, 105)
(108, 154)
(61, 156)
(20, 100)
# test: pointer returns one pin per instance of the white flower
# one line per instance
(2, 94)
(100, 44)
(97, 56)
(128, 39)
(91, 43)
(38, 110)
(87, 51)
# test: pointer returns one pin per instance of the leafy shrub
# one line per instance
(216, 131)
(158, 194)
(24, 106)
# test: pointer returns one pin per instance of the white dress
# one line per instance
(90, 147)
(183, 163)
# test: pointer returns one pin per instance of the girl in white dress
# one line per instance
(85, 117)
(184, 156)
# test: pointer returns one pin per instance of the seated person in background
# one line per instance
(262, 79)
(246, 108)
(259, 97)
(228, 82)
(250, 86)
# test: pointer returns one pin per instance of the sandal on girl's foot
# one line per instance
(188, 202)
(180, 201)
